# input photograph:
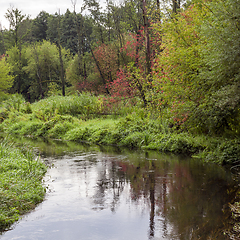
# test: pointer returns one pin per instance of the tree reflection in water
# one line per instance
(184, 198)
(178, 198)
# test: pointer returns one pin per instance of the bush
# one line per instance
(27, 108)
(99, 136)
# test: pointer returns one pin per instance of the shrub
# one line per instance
(99, 136)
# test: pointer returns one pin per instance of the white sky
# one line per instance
(34, 7)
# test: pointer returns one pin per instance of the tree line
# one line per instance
(179, 59)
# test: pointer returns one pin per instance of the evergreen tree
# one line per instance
(69, 37)
(40, 26)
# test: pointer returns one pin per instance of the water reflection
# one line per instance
(184, 198)
(103, 195)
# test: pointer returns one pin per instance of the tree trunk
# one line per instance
(39, 74)
(158, 11)
(62, 70)
(147, 40)
(175, 6)
(141, 90)
(60, 56)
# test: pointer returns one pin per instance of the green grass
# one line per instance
(79, 118)
(20, 182)
(84, 106)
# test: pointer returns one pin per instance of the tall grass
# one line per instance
(84, 106)
(20, 182)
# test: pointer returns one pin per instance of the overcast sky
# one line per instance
(34, 7)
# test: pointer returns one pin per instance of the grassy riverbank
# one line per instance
(81, 118)
(20, 182)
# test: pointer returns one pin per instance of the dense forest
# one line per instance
(178, 59)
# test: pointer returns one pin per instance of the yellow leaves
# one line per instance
(178, 64)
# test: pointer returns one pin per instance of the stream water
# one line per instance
(111, 194)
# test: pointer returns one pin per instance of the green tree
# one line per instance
(176, 6)
(196, 75)
(44, 68)
(15, 18)
(52, 27)
(176, 75)
(39, 26)
(6, 79)
(69, 36)
(2, 41)
(17, 60)
(55, 34)
(221, 74)
(99, 31)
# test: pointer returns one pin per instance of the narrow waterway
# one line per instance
(106, 194)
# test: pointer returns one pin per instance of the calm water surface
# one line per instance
(101, 194)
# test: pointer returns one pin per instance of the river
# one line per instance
(100, 193)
